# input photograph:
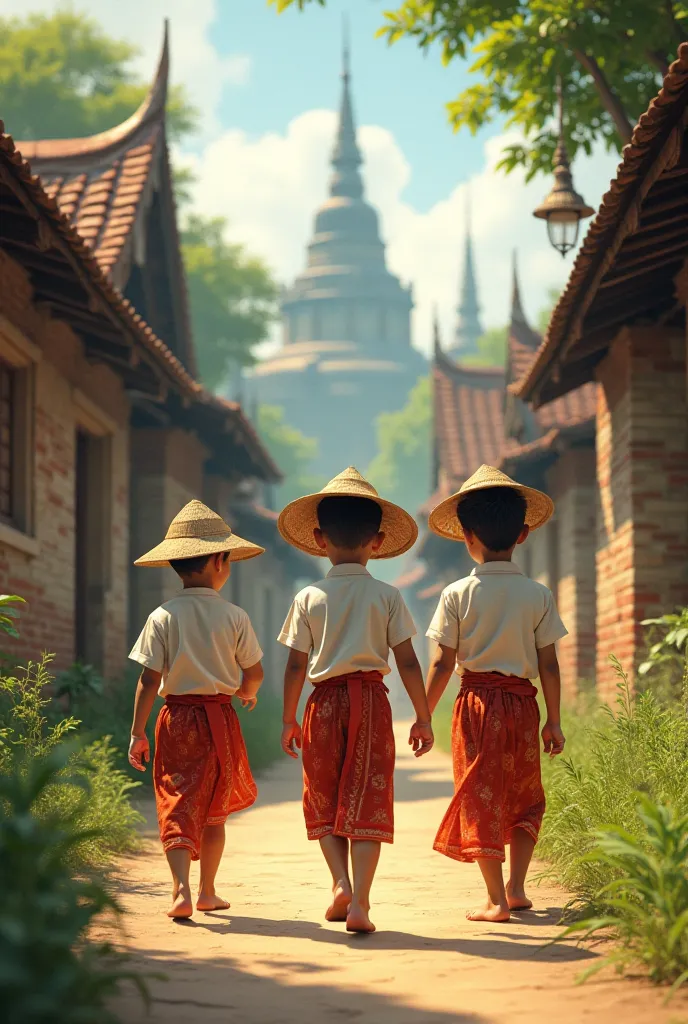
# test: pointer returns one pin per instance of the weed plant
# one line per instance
(638, 747)
(644, 907)
(107, 819)
(49, 971)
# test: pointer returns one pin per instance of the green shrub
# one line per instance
(26, 729)
(665, 670)
(262, 730)
(641, 747)
(9, 614)
(49, 971)
(644, 908)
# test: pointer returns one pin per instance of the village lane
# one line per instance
(273, 959)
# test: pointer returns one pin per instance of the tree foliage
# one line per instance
(232, 297)
(61, 76)
(293, 452)
(611, 56)
(401, 468)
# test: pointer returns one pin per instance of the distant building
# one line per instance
(104, 431)
(469, 327)
(346, 354)
(620, 328)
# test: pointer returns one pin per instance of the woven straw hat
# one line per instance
(299, 518)
(197, 530)
(444, 521)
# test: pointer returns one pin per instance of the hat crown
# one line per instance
(487, 476)
(348, 481)
(197, 520)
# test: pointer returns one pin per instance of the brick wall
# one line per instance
(572, 484)
(642, 472)
(47, 579)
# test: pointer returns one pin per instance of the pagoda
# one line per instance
(346, 353)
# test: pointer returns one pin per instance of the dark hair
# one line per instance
(496, 515)
(349, 522)
(188, 566)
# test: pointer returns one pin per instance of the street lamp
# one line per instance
(563, 208)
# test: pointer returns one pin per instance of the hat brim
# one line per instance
(299, 519)
(194, 547)
(444, 521)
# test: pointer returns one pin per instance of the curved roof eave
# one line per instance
(48, 154)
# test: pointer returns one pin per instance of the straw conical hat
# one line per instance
(299, 518)
(444, 521)
(197, 530)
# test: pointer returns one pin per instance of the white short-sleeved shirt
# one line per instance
(349, 621)
(497, 619)
(199, 641)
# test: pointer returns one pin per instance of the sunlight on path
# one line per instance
(272, 959)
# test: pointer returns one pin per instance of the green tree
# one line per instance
(611, 56)
(61, 76)
(231, 294)
(293, 452)
(491, 347)
(543, 317)
(401, 468)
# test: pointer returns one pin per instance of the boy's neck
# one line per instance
(201, 582)
(348, 557)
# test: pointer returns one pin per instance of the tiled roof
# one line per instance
(106, 309)
(414, 574)
(469, 420)
(651, 163)
(574, 407)
(98, 182)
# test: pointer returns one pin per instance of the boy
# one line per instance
(197, 651)
(346, 625)
(498, 629)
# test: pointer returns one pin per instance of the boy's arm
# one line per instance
(441, 669)
(421, 737)
(548, 668)
(251, 680)
(144, 699)
(294, 678)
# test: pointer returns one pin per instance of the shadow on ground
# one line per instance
(224, 992)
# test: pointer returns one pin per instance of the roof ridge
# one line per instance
(150, 111)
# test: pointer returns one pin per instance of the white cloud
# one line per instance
(270, 187)
(194, 60)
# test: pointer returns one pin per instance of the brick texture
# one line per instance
(47, 581)
(642, 472)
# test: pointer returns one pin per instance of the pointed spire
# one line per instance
(346, 156)
(436, 338)
(517, 314)
(468, 326)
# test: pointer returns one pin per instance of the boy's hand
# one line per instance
(291, 734)
(421, 738)
(553, 739)
(139, 751)
(248, 700)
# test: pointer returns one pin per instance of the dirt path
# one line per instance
(272, 959)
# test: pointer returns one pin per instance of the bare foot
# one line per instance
(357, 920)
(517, 899)
(339, 907)
(490, 912)
(212, 901)
(182, 907)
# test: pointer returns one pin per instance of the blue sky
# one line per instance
(295, 63)
(268, 88)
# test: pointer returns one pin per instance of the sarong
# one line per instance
(348, 759)
(496, 758)
(201, 773)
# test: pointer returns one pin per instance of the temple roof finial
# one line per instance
(346, 157)
(468, 326)
(436, 338)
(517, 314)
